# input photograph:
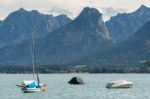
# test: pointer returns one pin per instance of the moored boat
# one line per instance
(120, 84)
(35, 85)
(32, 88)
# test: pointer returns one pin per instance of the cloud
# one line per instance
(71, 7)
(58, 11)
(109, 12)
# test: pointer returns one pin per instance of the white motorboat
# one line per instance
(120, 84)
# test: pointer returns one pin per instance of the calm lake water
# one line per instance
(58, 88)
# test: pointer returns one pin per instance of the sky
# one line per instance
(71, 7)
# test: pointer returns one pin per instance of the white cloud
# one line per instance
(71, 7)
(57, 11)
(108, 12)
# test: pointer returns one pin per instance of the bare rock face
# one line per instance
(76, 80)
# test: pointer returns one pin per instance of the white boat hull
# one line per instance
(31, 90)
(123, 84)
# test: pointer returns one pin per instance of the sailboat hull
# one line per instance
(31, 90)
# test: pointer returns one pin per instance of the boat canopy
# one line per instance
(26, 82)
(32, 85)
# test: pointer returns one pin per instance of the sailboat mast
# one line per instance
(33, 67)
(34, 63)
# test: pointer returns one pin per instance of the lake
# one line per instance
(58, 88)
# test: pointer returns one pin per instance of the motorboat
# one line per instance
(120, 84)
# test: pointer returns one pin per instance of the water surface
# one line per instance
(58, 88)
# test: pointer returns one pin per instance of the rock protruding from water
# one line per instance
(76, 80)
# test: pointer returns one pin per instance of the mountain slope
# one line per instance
(125, 25)
(19, 25)
(130, 52)
(88, 24)
(80, 37)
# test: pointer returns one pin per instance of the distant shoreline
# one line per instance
(72, 69)
(72, 73)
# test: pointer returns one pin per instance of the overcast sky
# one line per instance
(71, 7)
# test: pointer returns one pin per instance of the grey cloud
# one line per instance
(58, 10)
(109, 12)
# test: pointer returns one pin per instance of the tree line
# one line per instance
(145, 68)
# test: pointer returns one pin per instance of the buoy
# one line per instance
(43, 90)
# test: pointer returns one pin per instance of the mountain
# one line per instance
(125, 25)
(19, 25)
(82, 36)
(87, 29)
(130, 52)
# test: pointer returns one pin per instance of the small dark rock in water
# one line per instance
(76, 80)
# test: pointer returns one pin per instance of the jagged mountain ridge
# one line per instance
(81, 36)
(19, 25)
(125, 25)
(130, 52)
(85, 41)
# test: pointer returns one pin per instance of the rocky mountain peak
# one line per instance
(91, 15)
(125, 25)
(21, 10)
(19, 25)
(91, 19)
(35, 12)
(143, 8)
(87, 11)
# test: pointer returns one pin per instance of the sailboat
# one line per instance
(33, 86)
